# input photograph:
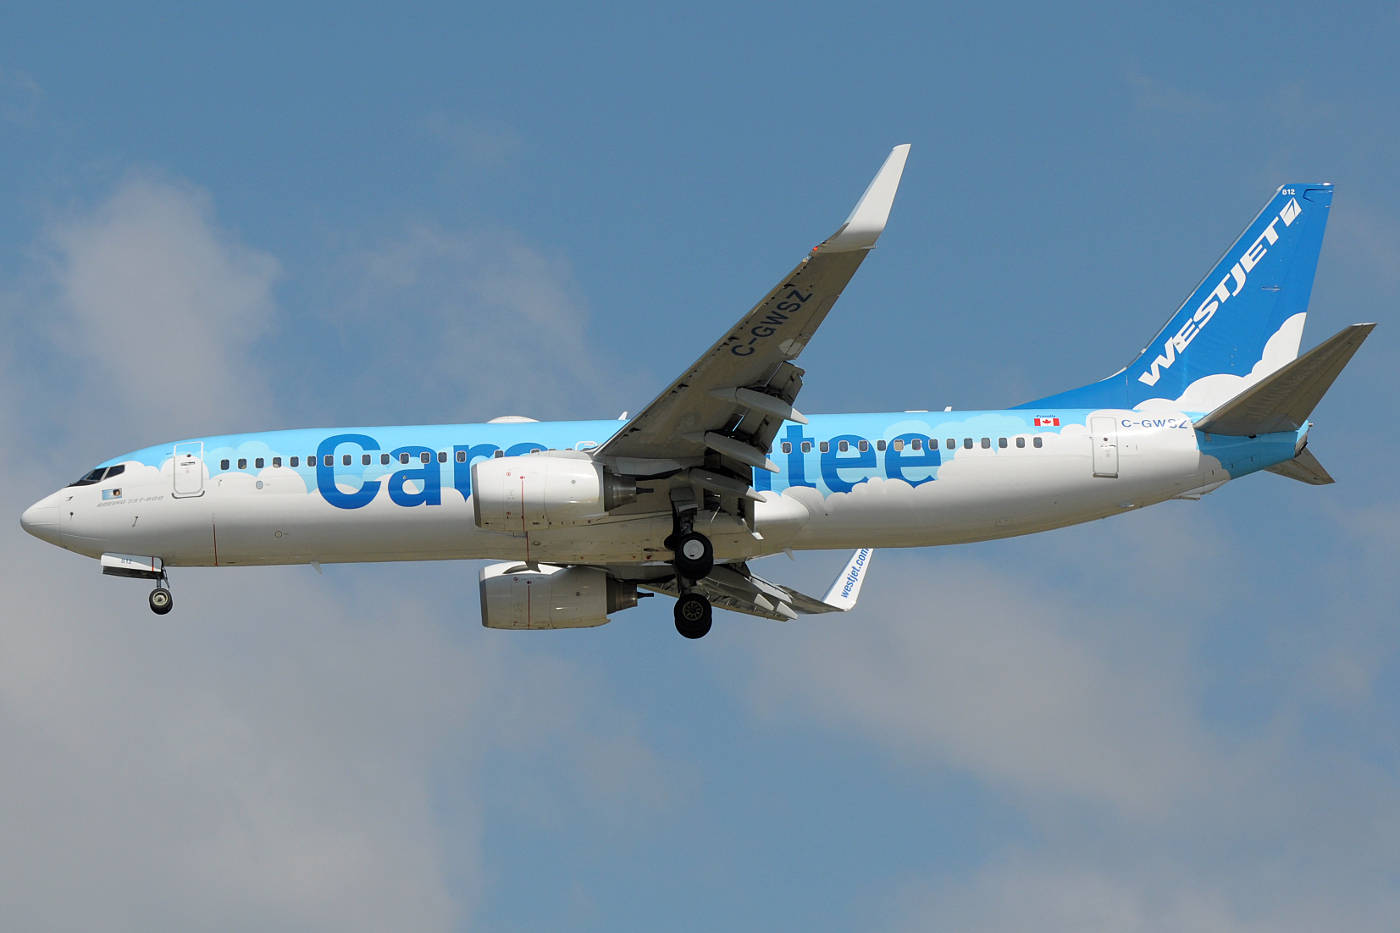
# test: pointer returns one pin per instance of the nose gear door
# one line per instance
(189, 470)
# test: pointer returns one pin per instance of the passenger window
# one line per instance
(364, 460)
(843, 446)
(330, 460)
(276, 461)
(1001, 442)
(1037, 442)
(223, 464)
(917, 444)
(258, 463)
(461, 456)
(296, 461)
(345, 459)
(442, 456)
(1020, 442)
(787, 447)
(383, 459)
(967, 443)
(897, 443)
(403, 458)
(806, 447)
(499, 453)
(825, 446)
(950, 443)
(862, 446)
(425, 457)
(986, 443)
(243, 463)
(880, 444)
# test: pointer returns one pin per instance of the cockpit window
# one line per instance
(98, 475)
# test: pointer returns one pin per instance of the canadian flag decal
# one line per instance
(1047, 422)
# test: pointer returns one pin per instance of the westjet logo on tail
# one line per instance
(1178, 342)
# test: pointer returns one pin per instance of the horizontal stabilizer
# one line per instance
(1284, 400)
(1304, 468)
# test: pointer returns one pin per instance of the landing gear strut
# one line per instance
(693, 614)
(694, 559)
(694, 555)
(160, 599)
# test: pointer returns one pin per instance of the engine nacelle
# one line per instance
(516, 597)
(544, 491)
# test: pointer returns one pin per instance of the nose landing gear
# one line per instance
(161, 601)
(142, 568)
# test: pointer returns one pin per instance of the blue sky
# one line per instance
(1181, 718)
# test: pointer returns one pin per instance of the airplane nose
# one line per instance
(41, 520)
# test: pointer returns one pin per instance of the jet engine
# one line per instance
(514, 596)
(544, 491)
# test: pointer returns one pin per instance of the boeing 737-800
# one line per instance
(720, 468)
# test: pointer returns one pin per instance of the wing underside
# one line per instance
(736, 588)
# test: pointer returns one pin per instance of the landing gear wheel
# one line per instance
(161, 601)
(693, 615)
(695, 556)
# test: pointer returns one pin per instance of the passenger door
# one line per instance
(189, 470)
(1104, 431)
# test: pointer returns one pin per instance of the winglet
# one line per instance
(867, 220)
(846, 588)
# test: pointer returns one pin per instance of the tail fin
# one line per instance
(1242, 322)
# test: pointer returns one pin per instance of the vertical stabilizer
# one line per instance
(1243, 322)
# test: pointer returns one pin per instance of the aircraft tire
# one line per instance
(161, 601)
(693, 615)
(695, 556)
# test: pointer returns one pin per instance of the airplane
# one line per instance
(586, 517)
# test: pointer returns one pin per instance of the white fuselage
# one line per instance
(403, 493)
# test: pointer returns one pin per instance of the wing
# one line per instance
(732, 400)
(735, 587)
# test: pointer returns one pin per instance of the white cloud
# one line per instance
(473, 143)
(20, 96)
(1138, 895)
(271, 755)
(161, 307)
(485, 323)
(951, 663)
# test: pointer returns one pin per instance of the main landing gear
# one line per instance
(693, 615)
(694, 559)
